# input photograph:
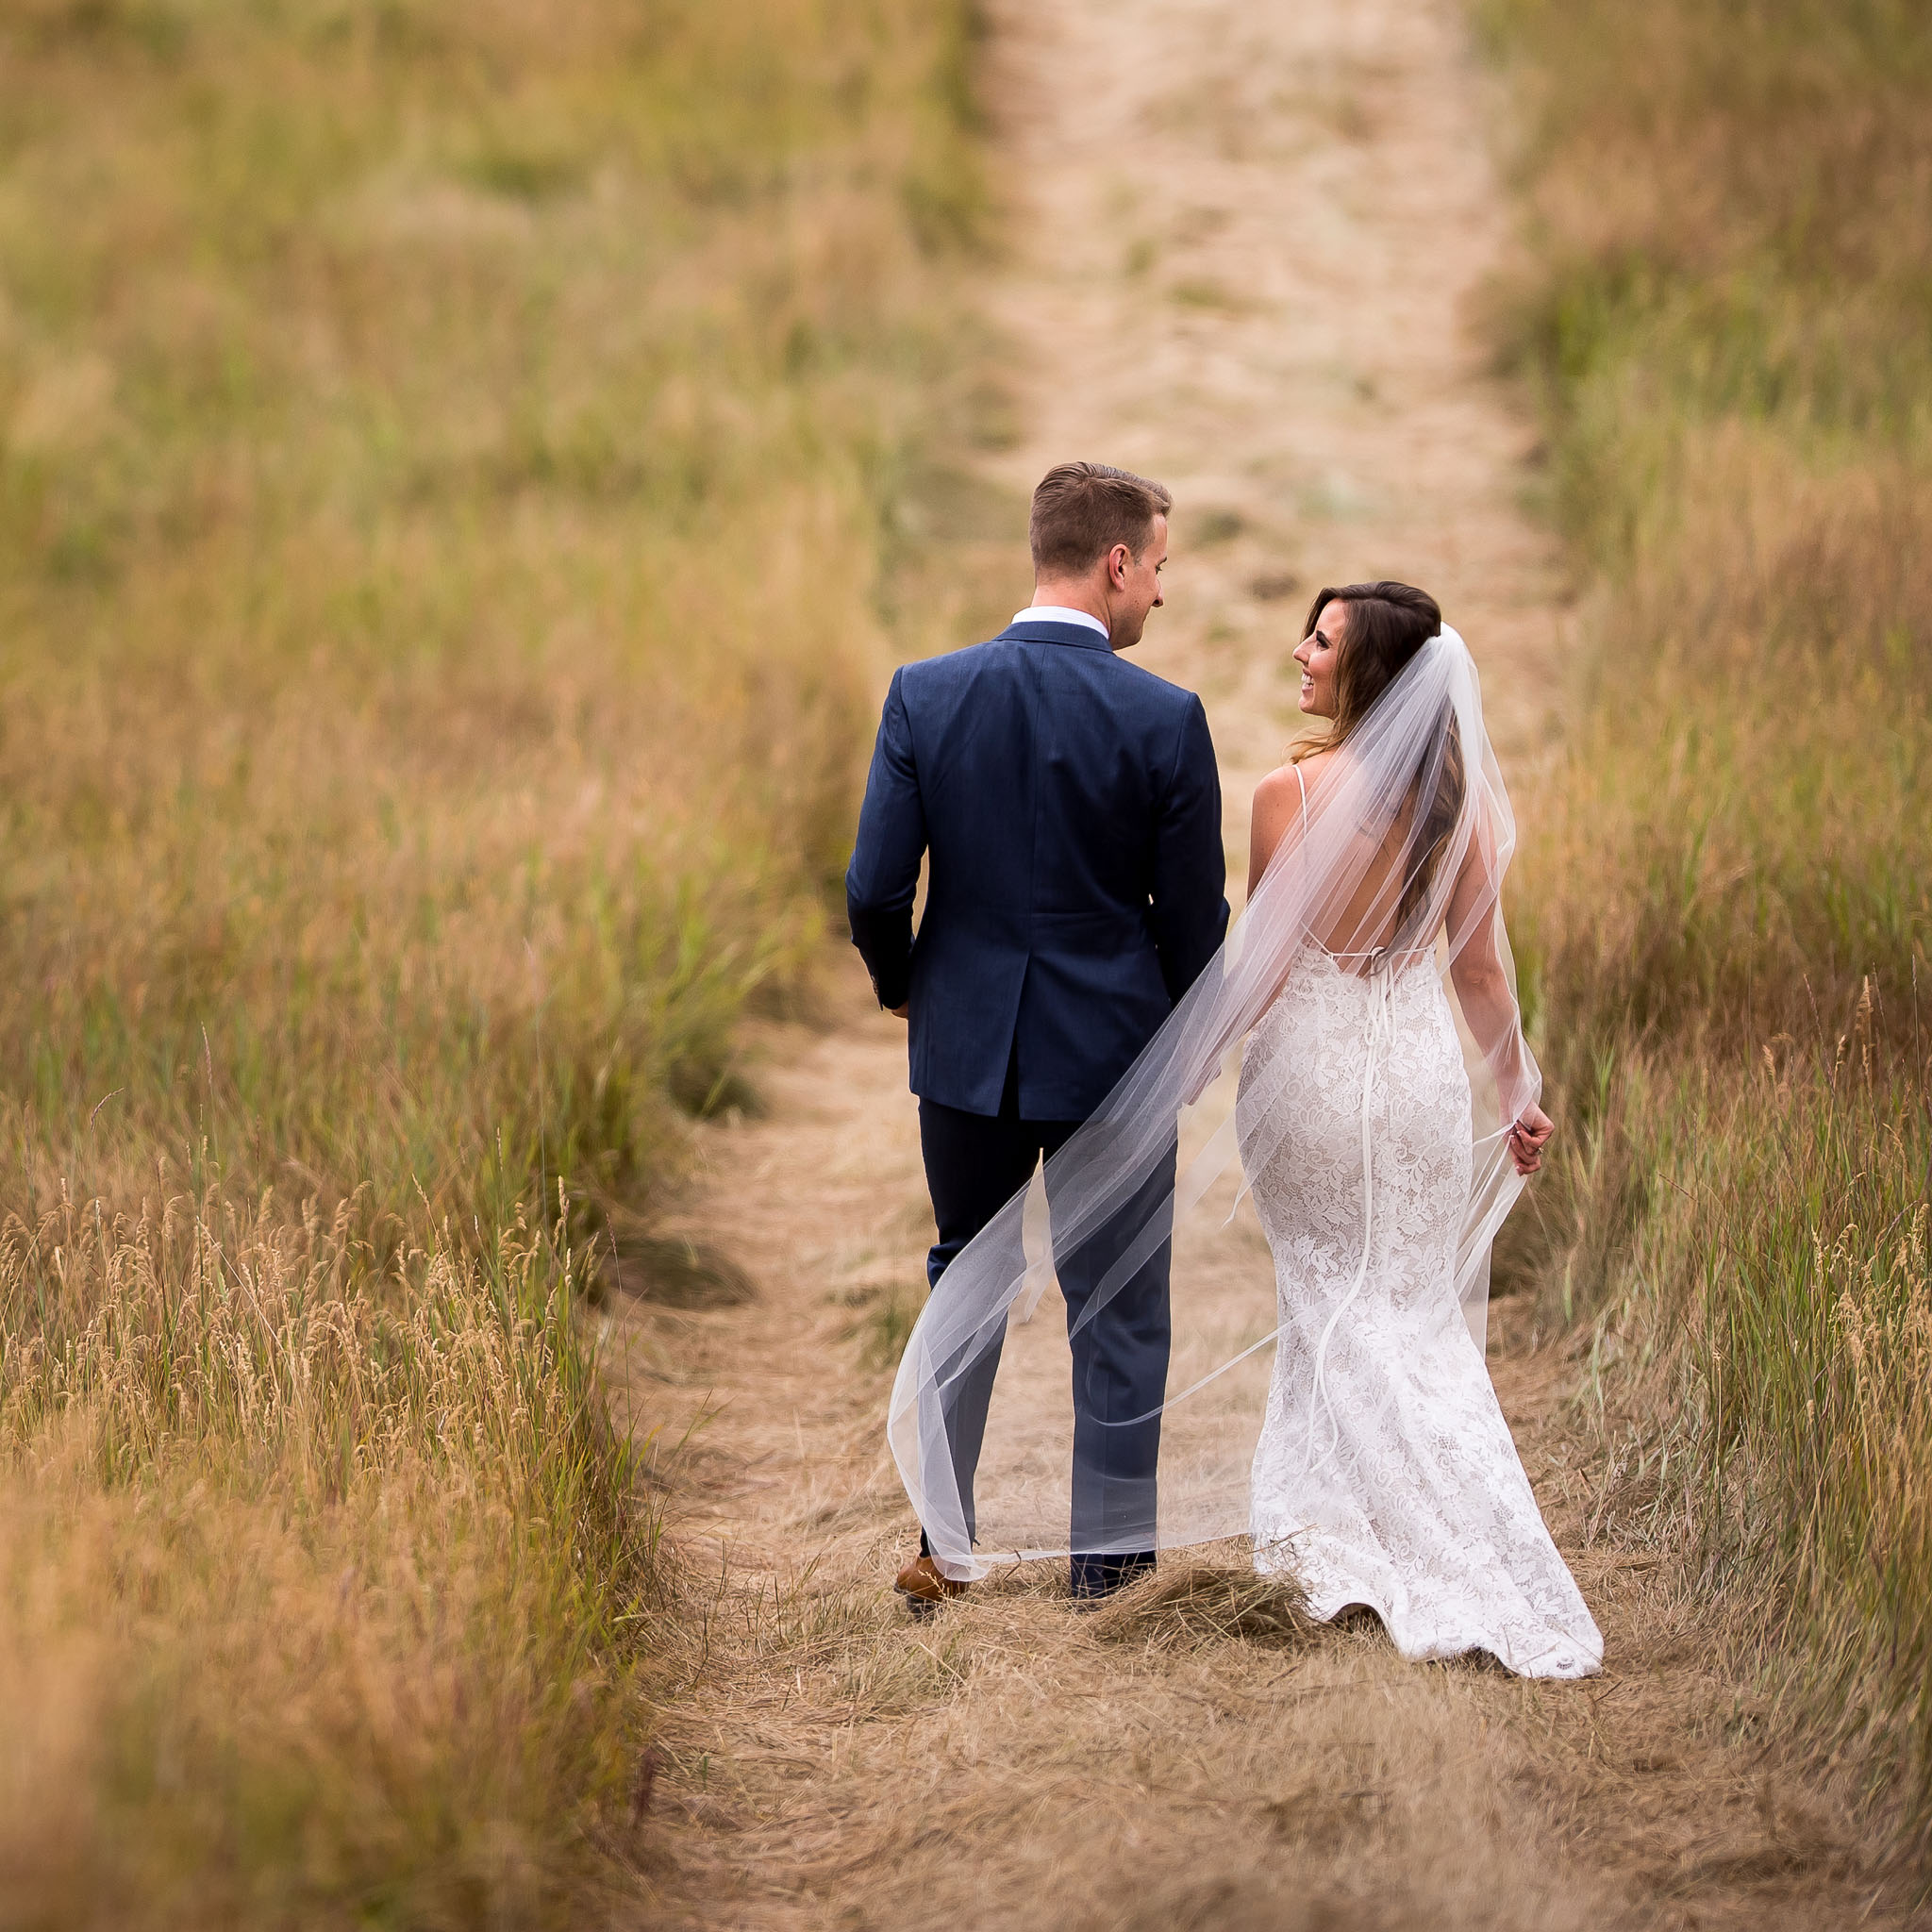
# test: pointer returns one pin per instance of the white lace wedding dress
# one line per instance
(1385, 1473)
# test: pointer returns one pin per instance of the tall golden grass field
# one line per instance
(1725, 900)
(455, 469)
(442, 575)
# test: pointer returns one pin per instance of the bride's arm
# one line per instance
(1487, 998)
(1276, 821)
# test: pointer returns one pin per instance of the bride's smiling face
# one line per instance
(1318, 655)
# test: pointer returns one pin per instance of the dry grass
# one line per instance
(1725, 902)
(444, 527)
(318, 1588)
(830, 1763)
(1194, 1753)
(1195, 1603)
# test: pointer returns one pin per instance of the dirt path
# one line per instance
(1251, 234)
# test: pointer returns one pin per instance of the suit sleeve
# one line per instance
(883, 877)
(1190, 909)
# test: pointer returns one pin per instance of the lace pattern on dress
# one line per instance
(1385, 1473)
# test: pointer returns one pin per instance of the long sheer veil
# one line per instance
(1406, 837)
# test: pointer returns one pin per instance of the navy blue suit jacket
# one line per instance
(1071, 807)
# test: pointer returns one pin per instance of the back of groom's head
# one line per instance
(1081, 511)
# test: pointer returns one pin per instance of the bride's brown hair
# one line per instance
(1388, 624)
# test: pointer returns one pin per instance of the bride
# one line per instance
(1351, 1071)
(1385, 1476)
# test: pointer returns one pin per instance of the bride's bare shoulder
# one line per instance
(1278, 796)
(1291, 779)
(1279, 783)
(1297, 772)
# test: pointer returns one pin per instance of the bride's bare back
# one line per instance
(1368, 914)
(1367, 918)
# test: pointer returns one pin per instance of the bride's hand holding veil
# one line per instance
(1487, 999)
(1528, 1138)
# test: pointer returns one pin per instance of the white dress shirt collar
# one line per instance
(1057, 613)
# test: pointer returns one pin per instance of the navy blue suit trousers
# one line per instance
(1068, 806)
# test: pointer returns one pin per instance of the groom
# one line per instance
(1071, 809)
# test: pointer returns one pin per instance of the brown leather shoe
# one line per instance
(925, 1588)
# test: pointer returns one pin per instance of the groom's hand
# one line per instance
(901, 1012)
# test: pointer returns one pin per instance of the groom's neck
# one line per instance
(1074, 594)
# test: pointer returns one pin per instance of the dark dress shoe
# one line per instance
(925, 1588)
(1096, 1579)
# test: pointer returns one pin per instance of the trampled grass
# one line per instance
(1726, 894)
(440, 550)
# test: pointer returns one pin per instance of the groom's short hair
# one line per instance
(1081, 511)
